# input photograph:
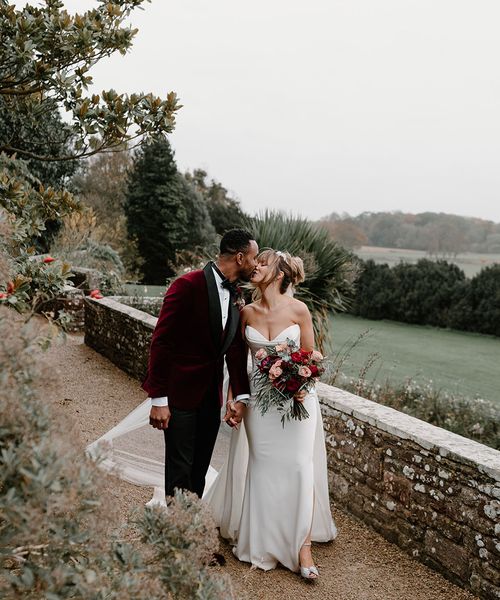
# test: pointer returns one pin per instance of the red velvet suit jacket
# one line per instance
(188, 346)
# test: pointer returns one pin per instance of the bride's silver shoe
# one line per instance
(310, 573)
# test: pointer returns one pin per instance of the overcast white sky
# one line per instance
(329, 105)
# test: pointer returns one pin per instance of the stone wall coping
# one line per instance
(429, 437)
(148, 320)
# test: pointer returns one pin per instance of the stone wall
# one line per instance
(433, 493)
(120, 333)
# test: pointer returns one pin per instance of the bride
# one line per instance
(271, 497)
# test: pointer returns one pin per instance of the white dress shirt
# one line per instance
(225, 299)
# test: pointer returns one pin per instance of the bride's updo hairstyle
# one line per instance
(278, 262)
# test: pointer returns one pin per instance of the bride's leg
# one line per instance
(308, 569)
(305, 555)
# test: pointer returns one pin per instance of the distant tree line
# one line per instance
(430, 292)
(438, 234)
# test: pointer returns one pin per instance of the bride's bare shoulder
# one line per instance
(248, 310)
(299, 307)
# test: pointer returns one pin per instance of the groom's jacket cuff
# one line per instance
(242, 398)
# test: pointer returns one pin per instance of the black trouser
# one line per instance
(189, 443)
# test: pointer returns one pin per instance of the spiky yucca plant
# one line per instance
(330, 269)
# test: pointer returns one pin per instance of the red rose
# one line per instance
(48, 259)
(10, 287)
(314, 370)
(301, 357)
(2, 295)
(292, 385)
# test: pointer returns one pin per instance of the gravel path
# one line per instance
(358, 565)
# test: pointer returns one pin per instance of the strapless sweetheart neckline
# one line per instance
(275, 337)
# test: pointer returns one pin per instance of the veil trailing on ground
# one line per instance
(135, 452)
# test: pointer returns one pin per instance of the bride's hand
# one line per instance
(300, 396)
(159, 417)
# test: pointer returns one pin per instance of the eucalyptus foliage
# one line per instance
(330, 269)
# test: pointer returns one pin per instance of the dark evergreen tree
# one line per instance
(375, 291)
(479, 307)
(164, 212)
(425, 291)
(225, 212)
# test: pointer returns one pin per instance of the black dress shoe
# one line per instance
(217, 559)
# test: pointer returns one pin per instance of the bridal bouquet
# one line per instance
(282, 371)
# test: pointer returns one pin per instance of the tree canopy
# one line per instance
(225, 212)
(46, 57)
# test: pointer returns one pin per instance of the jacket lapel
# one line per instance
(214, 310)
(234, 321)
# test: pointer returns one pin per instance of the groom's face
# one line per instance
(247, 261)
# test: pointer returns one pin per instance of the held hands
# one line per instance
(159, 417)
(235, 412)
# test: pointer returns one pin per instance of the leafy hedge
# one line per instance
(60, 535)
(430, 292)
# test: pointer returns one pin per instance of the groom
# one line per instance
(198, 325)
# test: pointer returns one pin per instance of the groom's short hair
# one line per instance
(235, 240)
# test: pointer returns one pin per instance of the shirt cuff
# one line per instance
(244, 398)
(163, 401)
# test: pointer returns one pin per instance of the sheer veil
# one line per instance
(135, 452)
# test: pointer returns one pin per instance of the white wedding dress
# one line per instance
(273, 488)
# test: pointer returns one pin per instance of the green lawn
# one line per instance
(464, 363)
(470, 262)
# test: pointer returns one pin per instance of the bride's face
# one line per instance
(262, 273)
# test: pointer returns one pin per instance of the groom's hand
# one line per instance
(159, 417)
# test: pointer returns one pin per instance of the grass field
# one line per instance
(463, 363)
(469, 262)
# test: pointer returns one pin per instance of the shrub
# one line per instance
(430, 292)
(59, 537)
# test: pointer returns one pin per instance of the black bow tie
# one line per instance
(228, 285)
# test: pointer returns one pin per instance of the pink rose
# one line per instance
(316, 356)
(281, 347)
(260, 354)
(305, 371)
(275, 371)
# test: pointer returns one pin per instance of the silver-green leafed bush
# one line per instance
(59, 536)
